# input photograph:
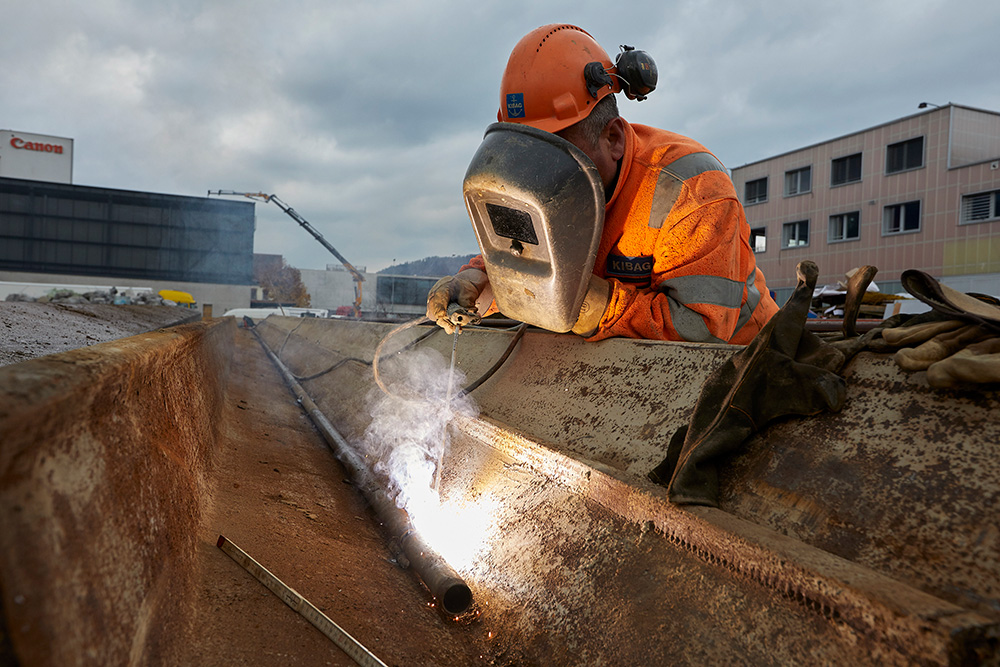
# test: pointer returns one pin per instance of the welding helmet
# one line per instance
(557, 73)
(536, 203)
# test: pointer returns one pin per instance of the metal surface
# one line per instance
(440, 578)
(876, 524)
(916, 626)
(301, 606)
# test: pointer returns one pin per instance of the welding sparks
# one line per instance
(457, 529)
(408, 439)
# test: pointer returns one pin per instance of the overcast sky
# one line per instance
(363, 116)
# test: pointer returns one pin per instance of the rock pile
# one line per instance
(112, 296)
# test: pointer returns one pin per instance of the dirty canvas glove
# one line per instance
(908, 336)
(463, 289)
(785, 370)
(595, 302)
(978, 363)
(939, 347)
(972, 308)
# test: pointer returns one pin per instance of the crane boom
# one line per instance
(292, 213)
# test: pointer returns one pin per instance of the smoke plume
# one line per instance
(409, 432)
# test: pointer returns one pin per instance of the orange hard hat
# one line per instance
(554, 77)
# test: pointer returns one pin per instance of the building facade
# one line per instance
(69, 235)
(382, 296)
(40, 157)
(921, 192)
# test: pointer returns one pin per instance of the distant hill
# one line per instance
(430, 266)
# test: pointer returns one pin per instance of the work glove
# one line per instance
(957, 343)
(941, 346)
(785, 370)
(978, 363)
(451, 302)
(595, 302)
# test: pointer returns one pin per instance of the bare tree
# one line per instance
(282, 283)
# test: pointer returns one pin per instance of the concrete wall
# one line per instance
(105, 452)
(334, 288)
(220, 297)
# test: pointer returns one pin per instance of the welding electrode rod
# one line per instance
(447, 407)
(441, 579)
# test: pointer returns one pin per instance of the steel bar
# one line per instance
(343, 639)
(443, 582)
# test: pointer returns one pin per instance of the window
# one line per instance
(845, 227)
(758, 239)
(846, 170)
(980, 207)
(402, 290)
(798, 181)
(904, 156)
(901, 218)
(795, 234)
(756, 191)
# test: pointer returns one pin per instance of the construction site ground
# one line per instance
(279, 494)
(121, 466)
(33, 329)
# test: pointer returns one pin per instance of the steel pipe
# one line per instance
(443, 582)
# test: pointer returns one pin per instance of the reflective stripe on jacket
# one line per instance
(676, 247)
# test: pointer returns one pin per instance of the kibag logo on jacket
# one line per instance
(634, 270)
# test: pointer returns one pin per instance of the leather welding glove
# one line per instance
(978, 363)
(785, 370)
(939, 347)
(462, 288)
(595, 302)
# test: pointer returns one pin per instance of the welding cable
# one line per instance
(288, 335)
(378, 350)
(303, 378)
(519, 332)
(356, 360)
(488, 374)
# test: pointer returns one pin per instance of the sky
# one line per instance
(363, 116)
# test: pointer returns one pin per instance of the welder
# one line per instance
(673, 259)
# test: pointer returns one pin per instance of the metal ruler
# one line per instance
(306, 609)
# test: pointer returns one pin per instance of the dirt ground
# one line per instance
(281, 496)
(31, 329)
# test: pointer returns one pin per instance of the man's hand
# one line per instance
(594, 304)
(463, 288)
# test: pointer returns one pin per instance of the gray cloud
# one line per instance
(363, 116)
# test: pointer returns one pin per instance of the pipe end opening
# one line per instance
(457, 598)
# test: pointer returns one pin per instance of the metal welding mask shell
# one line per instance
(537, 205)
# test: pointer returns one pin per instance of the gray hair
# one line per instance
(589, 129)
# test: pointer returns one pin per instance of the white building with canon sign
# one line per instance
(37, 157)
(54, 233)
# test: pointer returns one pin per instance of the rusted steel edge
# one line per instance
(902, 621)
(443, 582)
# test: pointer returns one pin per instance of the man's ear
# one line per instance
(614, 134)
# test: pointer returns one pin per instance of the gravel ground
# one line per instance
(31, 329)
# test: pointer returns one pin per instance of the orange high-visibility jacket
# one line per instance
(676, 247)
